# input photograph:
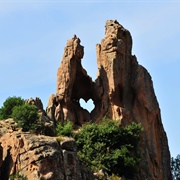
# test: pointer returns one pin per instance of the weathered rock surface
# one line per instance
(36, 102)
(7, 126)
(123, 90)
(129, 96)
(73, 83)
(48, 127)
(40, 158)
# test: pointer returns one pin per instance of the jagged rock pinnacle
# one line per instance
(123, 91)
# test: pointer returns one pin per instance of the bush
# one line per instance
(175, 167)
(65, 129)
(8, 105)
(109, 147)
(26, 117)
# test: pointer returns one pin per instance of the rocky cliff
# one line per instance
(28, 156)
(123, 91)
(40, 158)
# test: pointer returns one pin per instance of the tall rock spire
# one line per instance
(73, 83)
(129, 96)
(123, 91)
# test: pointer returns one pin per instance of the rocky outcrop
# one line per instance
(7, 126)
(47, 124)
(123, 91)
(40, 157)
(129, 96)
(73, 83)
(36, 102)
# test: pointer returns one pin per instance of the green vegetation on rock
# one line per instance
(175, 167)
(65, 129)
(8, 105)
(101, 146)
(109, 147)
(26, 117)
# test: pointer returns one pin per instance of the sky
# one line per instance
(33, 35)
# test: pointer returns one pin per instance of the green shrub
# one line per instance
(175, 167)
(8, 105)
(65, 129)
(110, 147)
(26, 117)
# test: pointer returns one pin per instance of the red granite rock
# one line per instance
(123, 91)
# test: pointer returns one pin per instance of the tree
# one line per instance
(175, 167)
(26, 117)
(109, 147)
(8, 105)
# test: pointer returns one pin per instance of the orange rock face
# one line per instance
(73, 83)
(40, 157)
(123, 91)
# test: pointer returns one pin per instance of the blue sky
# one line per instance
(33, 35)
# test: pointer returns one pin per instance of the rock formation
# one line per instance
(123, 91)
(40, 158)
(73, 83)
(48, 127)
(7, 126)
